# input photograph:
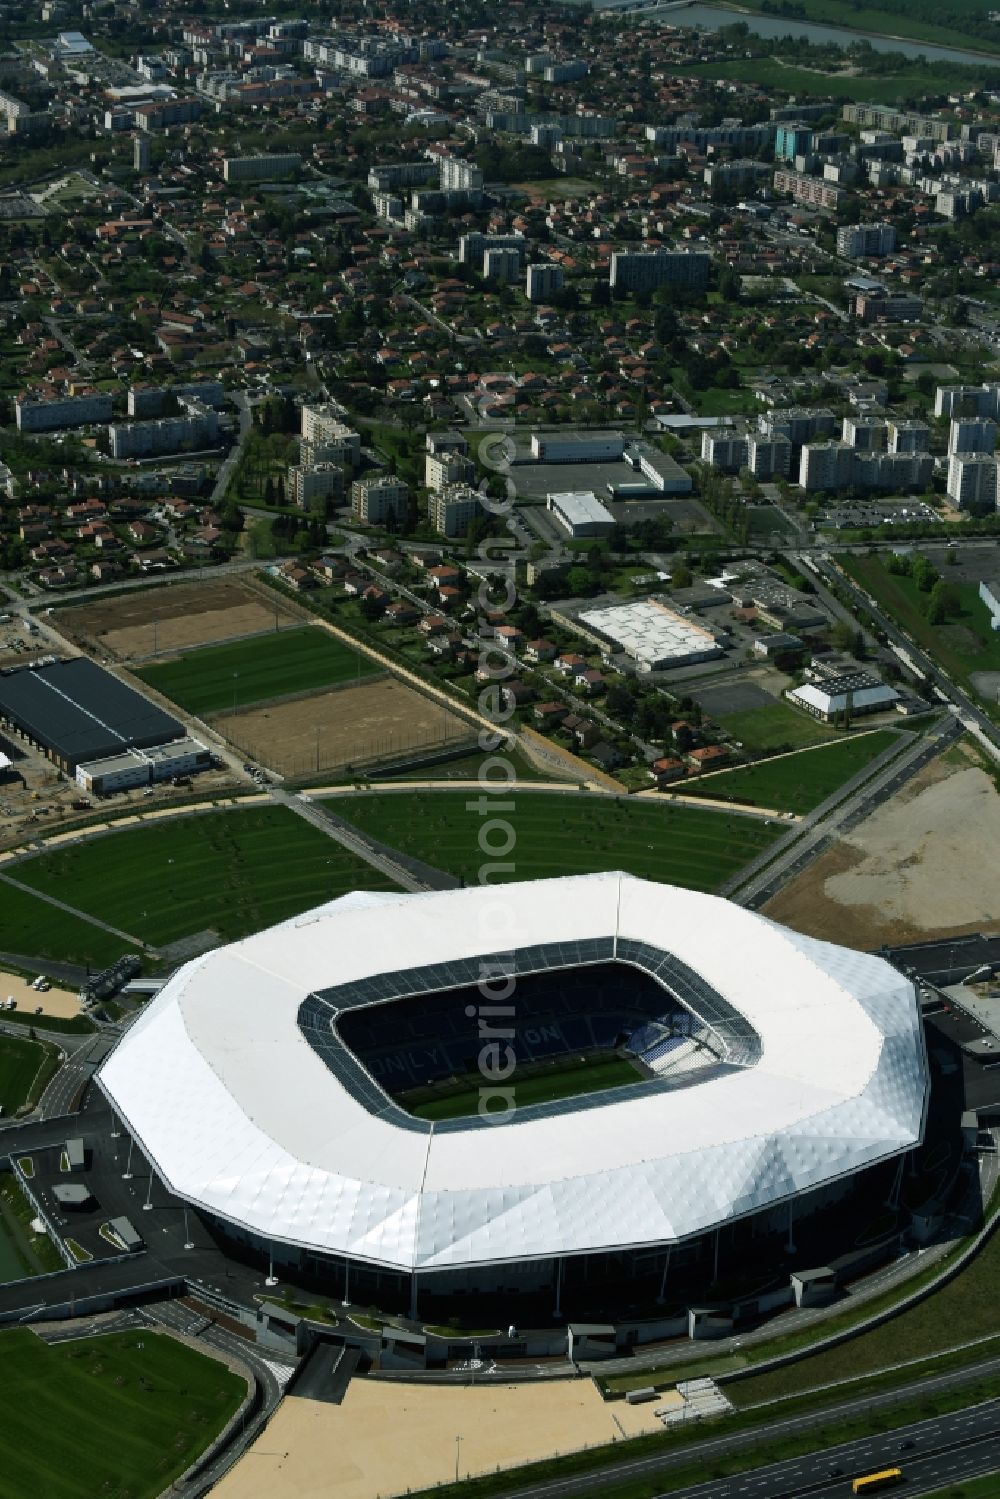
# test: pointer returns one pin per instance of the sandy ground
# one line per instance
(61, 1002)
(161, 620)
(923, 865)
(328, 730)
(390, 1438)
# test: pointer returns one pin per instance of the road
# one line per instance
(245, 407)
(943, 1448)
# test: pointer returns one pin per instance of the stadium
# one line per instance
(593, 1091)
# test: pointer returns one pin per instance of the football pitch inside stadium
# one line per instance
(544, 1082)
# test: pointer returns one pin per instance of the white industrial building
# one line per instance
(653, 634)
(580, 513)
(577, 447)
(853, 693)
(244, 1084)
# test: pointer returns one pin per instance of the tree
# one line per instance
(945, 603)
(269, 491)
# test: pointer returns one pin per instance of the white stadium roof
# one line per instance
(246, 1119)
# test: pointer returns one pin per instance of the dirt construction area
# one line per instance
(395, 1438)
(922, 866)
(157, 621)
(349, 726)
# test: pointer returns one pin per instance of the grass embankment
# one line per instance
(217, 678)
(120, 1416)
(797, 782)
(25, 1068)
(229, 872)
(557, 834)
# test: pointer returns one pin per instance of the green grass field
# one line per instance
(252, 671)
(119, 1416)
(543, 1084)
(798, 782)
(961, 646)
(560, 833)
(36, 929)
(776, 726)
(21, 1062)
(231, 872)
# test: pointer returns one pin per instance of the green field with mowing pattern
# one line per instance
(214, 678)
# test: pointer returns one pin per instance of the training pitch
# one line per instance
(225, 678)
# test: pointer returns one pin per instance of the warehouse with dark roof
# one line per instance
(75, 710)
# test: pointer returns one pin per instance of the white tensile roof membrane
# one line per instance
(242, 1116)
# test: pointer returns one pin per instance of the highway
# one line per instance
(931, 1453)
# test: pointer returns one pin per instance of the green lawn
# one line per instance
(541, 1085)
(250, 671)
(36, 929)
(119, 1416)
(563, 833)
(777, 726)
(961, 646)
(799, 782)
(21, 1062)
(231, 872)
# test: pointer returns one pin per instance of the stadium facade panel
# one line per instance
(239, 1087)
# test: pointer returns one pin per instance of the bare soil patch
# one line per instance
(920, 867)
(349, 726)
(135, 626)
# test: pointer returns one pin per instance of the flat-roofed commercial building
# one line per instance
(577, 447)
(142, 767)
(653, 634)
(581, 513)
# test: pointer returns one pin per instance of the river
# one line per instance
(711, 17)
